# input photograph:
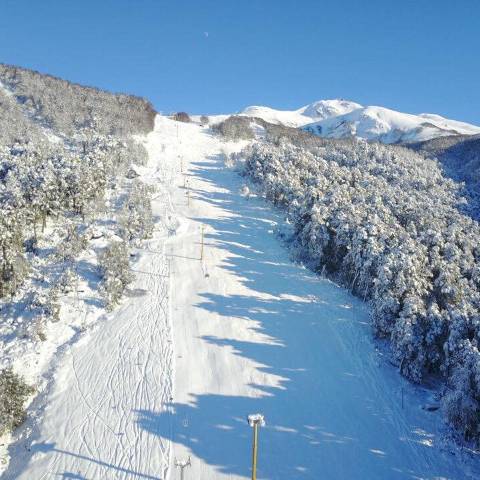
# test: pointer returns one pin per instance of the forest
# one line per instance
(67, 179)
(387, 223)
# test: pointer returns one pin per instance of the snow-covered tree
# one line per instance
(136, 221)
(386, 223)
(235, 128)
(13, 394)
(115, 272)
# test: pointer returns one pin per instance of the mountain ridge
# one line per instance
(339, 118)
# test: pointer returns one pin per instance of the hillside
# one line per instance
(70, 211)
(160, 280)
(14, 125)
(388, 224)
(66, 107)
(459, 154)
(220, 331)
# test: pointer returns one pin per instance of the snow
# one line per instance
(329, 108)
(443, 122)
(47, 131)
(295, 118)
(338, 118)
(80, 310)
(389, 126)
(85, 420)
(200, 343)
(256, 418)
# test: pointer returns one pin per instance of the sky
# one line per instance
(206, 56)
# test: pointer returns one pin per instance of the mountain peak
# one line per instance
(322, 109)
(313, 112)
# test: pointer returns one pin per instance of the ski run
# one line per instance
(219, 324)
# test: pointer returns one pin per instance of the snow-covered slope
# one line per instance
(389, 126)
(214, 337)
(290, 118)
(310, 113)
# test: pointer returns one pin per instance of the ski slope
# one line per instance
(200, 343)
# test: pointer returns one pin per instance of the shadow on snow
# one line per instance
(307, 400)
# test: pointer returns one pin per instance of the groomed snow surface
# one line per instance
(201, 343)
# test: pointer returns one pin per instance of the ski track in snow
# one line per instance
(175, 372)
(89, 428)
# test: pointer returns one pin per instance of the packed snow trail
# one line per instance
(251, 332)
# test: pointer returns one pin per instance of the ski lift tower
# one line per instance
(255, 420)
(183, 464)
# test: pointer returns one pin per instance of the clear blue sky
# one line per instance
(206, 56)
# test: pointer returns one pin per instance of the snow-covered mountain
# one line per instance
(389, 126)
(342, 118)
(313, 112)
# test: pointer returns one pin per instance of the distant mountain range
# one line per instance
(342, 118)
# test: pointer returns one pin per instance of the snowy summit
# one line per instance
(343, 119)
(313, 112)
